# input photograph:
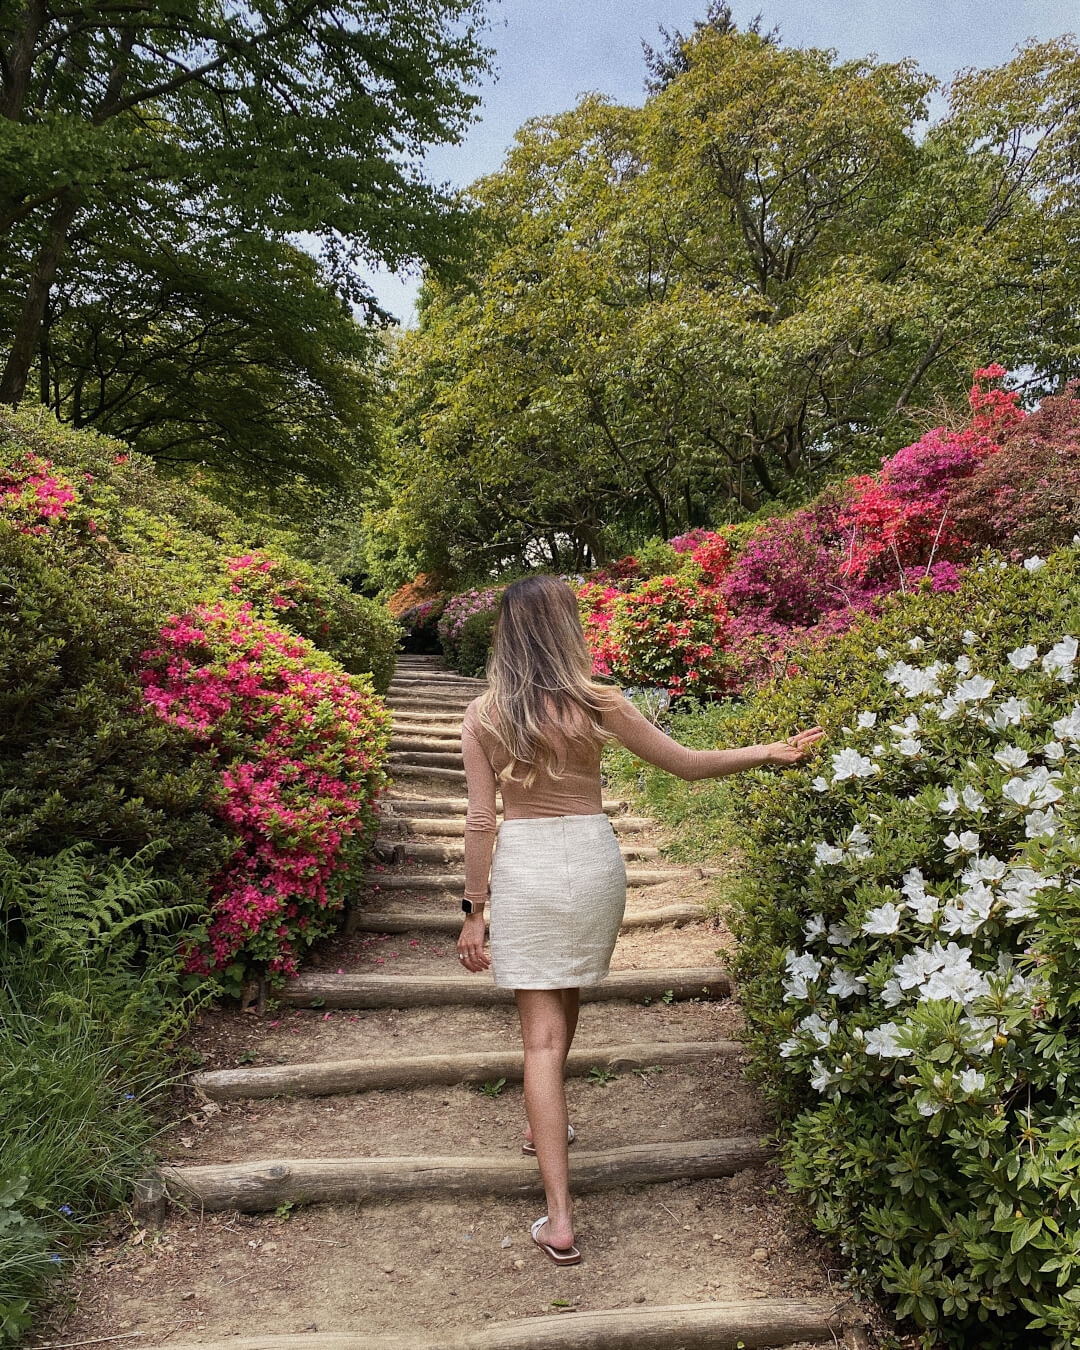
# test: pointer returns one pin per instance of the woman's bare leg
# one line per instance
(544, 1034)
(571, 1002)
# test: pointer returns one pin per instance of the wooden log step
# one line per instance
(454, 882)
(441, 921)
(450, 743)
(426, 771)
(322, 1078)
(453, 826)
(256, 1186)
(435, 684)
(314, 989)
(753, 1325)
(442, 759)
(446, 806)
(444, 704)
(418, 850)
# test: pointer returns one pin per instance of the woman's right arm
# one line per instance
(480, 819)
(649, 743)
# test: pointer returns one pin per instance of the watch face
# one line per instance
(466, 905)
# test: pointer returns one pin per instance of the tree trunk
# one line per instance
(24, 343)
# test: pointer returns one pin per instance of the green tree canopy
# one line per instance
(684, 312)
(159, 165)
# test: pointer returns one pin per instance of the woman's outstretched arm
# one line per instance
(649, 743)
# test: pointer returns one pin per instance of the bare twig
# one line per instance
(96, 1340)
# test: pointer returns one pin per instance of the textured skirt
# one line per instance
(558, 892)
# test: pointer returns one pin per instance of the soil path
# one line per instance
(346, 1168)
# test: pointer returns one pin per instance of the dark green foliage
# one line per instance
(90, 995)
(474, 643)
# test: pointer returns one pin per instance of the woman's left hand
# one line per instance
(795, 747)
(470, 943)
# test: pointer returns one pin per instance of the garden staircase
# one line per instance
(390, 1131)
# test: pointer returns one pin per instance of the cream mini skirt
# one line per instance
(558, 892)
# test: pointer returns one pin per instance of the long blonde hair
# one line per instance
(539, 673)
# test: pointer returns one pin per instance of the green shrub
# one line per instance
(474, 642)
(89, 997)
(908, 950)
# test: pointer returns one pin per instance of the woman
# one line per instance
(558, 881)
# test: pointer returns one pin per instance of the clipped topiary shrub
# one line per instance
(474, 642)
(909, 921)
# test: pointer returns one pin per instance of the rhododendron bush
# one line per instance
(909, 917)
(157, 689)
(301, 747)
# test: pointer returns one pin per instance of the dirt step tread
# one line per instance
(753, 1324)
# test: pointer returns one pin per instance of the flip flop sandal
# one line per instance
(562, 1256)
(530, 1149)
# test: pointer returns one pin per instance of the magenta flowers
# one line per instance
(301, 747)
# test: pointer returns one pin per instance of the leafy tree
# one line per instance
(697, 310)
(157, 161)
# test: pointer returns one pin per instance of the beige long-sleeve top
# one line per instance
(577, 790)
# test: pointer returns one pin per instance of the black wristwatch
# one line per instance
(467, 906)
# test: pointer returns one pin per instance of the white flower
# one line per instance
(1068, 728)
(915, 644)
(843, 983)
(1022, 657)
(987, 868)
(969, 637)
(965, 842)
(963, 665)
(971, 1082)
(827, 855)
(1060, 659)
(910, 746)
(956, 978)
(908, 727)
(858, 843)
(973, 690)
(841, 934)
(1034, 563)
(883, 1040)
(820, 784)
(1020, 889)
(928, 1108)
(948, 709)
(949, 802)
(879, 749)
(814, 927)
(822, 1078)
(892, 994)
(914, 888)
(973, 799)
(802, 963)
(797, 988)
(1041, 824)
(885, 919)
(981, 1031)
(789, 1047)
(1011, 713)
(1054, 751)
(881, 653)
(969, 911)
(1037, 790)
(866, 720)
(848, 763)
(815, 1026)
(1011, 757)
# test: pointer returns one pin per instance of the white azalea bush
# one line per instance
(910, 950)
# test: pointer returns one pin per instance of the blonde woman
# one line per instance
(557, 884)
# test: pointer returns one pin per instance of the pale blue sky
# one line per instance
(549, 52)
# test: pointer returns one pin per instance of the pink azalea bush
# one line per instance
(33, 494)
(301, 746)
(458, 610)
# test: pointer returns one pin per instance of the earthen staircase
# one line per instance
(670, 1257)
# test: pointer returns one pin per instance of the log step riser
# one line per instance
(328, 1077)
(313, 990)
(255, 1187)
(363, 921)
